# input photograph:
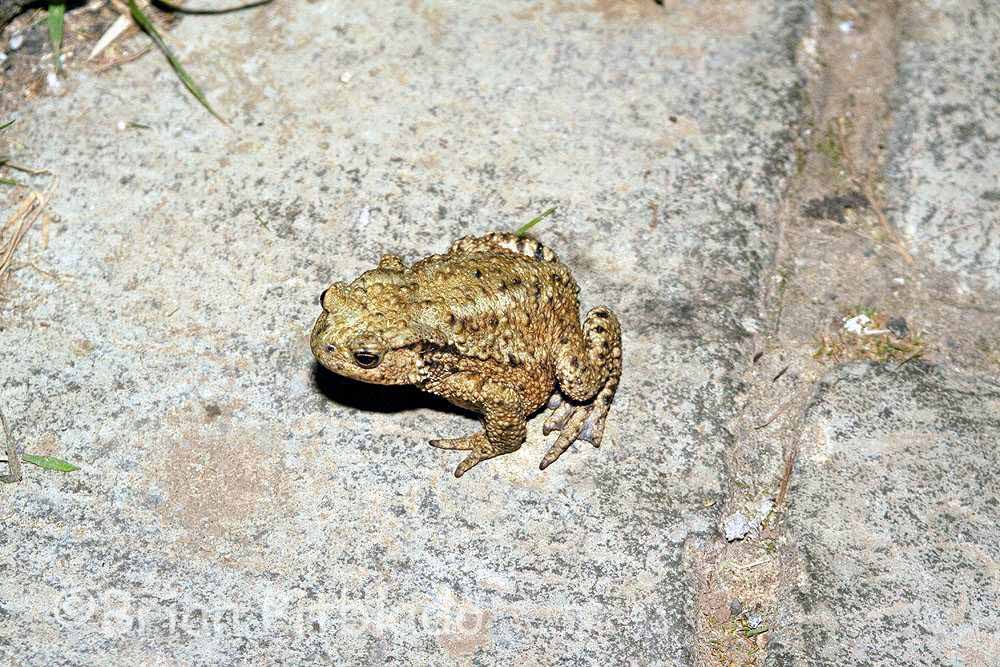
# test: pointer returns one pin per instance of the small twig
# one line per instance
(21, 221)
(950, 231)
(775, 414)
(126, 59)
(884, 221)
(786, 476)
(909, 359)
(121, 24)
(121, 7)
(841, 228)
(758, 563)
(13, 459)
(38, 269)
(26, 170)
(869, 191)
(973, 306)
(181, 9)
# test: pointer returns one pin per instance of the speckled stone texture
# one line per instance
(238, 504)
(944, 164)
(894, 521)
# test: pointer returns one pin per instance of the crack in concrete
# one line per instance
(835, 247)
(847, 59)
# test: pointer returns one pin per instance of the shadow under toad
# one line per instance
(377, 397)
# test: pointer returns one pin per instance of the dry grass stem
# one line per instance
(786, 477)
(17, 226)
(13, 460)
(867, 185)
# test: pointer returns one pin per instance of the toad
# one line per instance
(493, 326)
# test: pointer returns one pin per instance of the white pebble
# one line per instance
(809, 46)
(736, 527)
(16, 41)
(364, 217)
(857, 325)
(346, 77)
(121, 125)
(53, 82)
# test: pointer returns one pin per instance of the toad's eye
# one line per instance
(367, 359)
(322, 297)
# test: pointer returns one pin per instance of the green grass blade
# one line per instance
(8, 124)
(154, 34)
(8, 181)
(524, 229)
(57, 15)
(49, 462)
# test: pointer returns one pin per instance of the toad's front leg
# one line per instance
(504, 417)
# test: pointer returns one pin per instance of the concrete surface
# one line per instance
(894, 522)
(944, 149)
(236, 504)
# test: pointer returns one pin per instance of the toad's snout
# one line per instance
(320, 341)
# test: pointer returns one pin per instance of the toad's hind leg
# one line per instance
(588, 369)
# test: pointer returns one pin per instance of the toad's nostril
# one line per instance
(330, 347)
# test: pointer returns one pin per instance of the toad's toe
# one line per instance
(593, 428)
(469, 462)
(569, 432)
(464, 443)
(557, 420)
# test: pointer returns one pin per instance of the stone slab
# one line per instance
(893, 521)
(236, 504)
(944, 149)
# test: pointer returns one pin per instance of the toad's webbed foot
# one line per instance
(479, 447)
(575, 422)
(566, 417)
(503, 434)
